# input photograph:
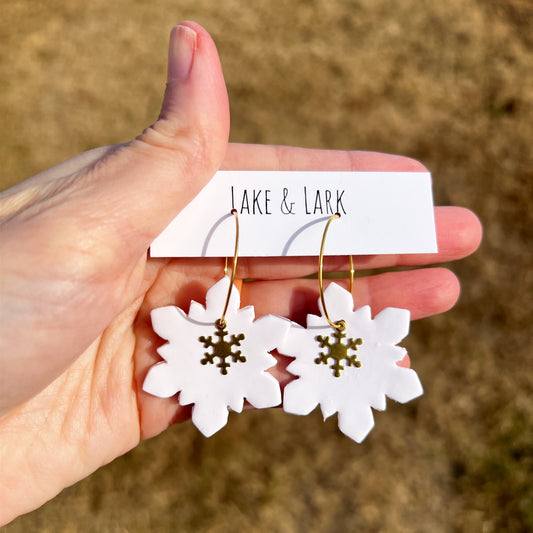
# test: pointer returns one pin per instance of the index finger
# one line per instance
(275, 157)
(458, 229)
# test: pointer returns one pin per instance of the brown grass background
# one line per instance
(449, 83)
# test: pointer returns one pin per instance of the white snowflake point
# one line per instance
(196, 310)
(213, 295)
(342, 297)
(393, 324)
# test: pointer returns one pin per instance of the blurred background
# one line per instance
(448, 83)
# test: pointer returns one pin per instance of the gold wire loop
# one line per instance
(352, 273)
(221, 322)
(340, 325)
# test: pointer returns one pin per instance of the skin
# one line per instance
(77, 286)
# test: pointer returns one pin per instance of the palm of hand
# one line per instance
(96, 410)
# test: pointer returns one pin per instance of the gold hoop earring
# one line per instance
(353, 369)
(222, 320)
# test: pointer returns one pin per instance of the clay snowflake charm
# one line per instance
(349, 370)
(216, 366)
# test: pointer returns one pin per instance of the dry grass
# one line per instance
(449, 83)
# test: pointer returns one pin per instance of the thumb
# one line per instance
(84, 227)
(148, 181)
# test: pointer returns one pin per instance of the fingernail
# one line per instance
(181, 52)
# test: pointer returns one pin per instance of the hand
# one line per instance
(77, 287)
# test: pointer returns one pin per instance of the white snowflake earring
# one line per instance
(216, 360)
(347, 363)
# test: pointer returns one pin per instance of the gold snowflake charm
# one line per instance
(338, 351)
(222, 348)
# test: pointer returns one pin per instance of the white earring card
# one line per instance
(283, 213)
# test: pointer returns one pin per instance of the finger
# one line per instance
(272, 157)
(124, 200)
(423, 292)
(458, 230)
(458, 235)
(147, 182)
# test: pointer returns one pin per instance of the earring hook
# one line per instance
(221, 322)
(340, 325)
(352, 274)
